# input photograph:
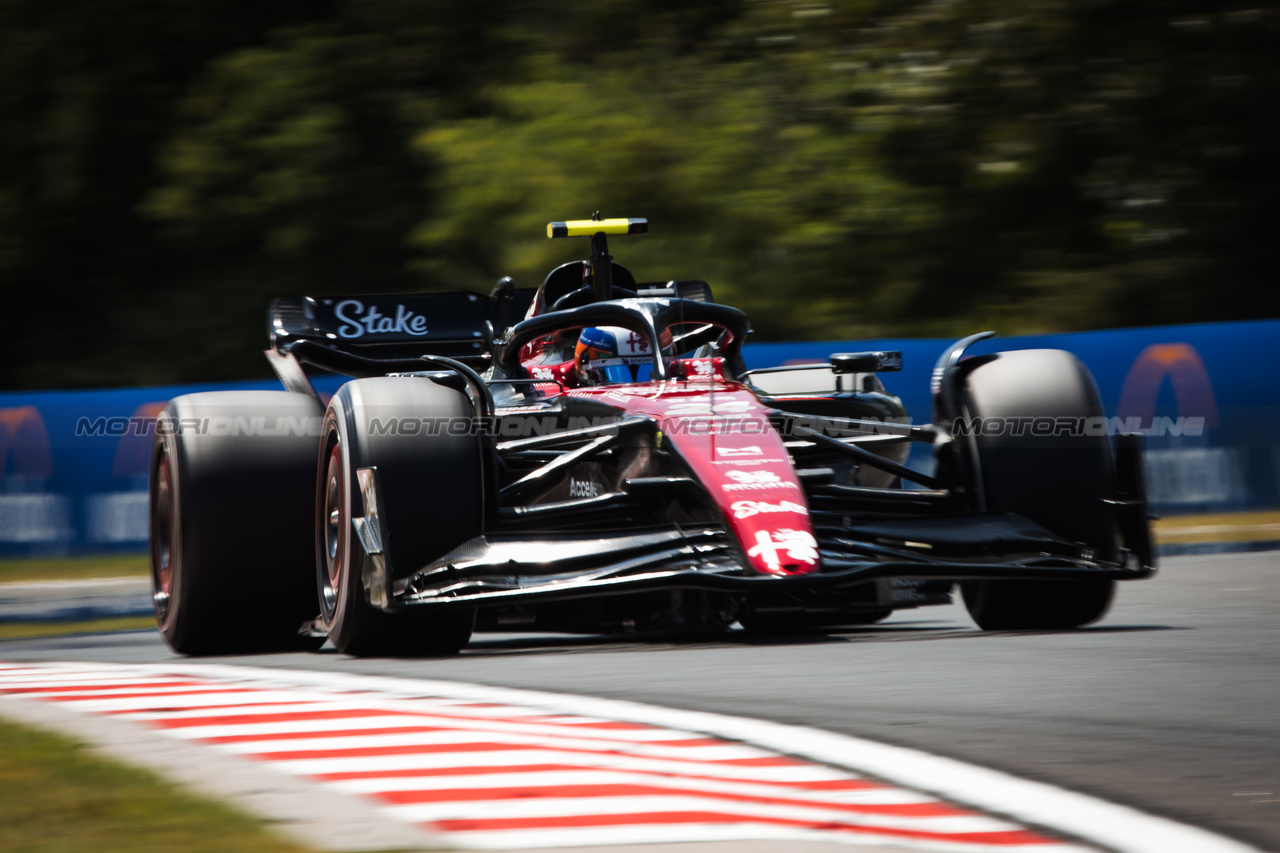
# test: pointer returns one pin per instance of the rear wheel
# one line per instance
(430, 490)
(1059, 481)
(231, 479)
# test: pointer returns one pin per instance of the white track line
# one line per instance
(515, 758)
(567, 806)
(1112, 826)
(560, 778)
(688, 833)
(722, 752)
(398, 721)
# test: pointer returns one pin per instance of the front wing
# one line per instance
(514, 568)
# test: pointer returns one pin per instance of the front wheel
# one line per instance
(430, 490)
(1036, 605)
(1060, 481)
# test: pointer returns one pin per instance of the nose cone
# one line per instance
(724, 434)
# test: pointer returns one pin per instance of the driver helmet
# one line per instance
(600, 350)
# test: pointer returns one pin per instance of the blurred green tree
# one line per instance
(87, 91)
(840, 169)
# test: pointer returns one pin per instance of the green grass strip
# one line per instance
(60, 798)
(31, 630)
(1219, 527)
(75, 568)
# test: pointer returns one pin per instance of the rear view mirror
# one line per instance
(866, 362)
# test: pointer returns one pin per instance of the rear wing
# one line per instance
(373, 334)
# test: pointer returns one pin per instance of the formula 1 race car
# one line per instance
(594, 456)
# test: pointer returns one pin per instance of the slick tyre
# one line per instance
(430, 490)
(232, 480)
(1056, 479)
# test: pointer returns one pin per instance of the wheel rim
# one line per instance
(162, 515)
(332, 532)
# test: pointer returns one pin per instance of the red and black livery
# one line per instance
(471, 477)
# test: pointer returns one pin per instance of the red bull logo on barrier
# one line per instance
(1192, 388)
(24, 443)
(133, 453)
(27, 515)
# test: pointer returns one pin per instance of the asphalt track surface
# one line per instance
(1170, 705)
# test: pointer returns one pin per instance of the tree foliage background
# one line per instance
(839, 169)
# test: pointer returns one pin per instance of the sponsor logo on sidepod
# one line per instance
(746, 509)
(729, 452)
(744, 481)
(753, 477)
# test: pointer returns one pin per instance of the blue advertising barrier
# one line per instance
(1158, 380)
(73, 465)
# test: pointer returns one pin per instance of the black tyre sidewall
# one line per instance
(430, 488)
(353, 626)
(173, 619)
(1059, 481)
(241, 565)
